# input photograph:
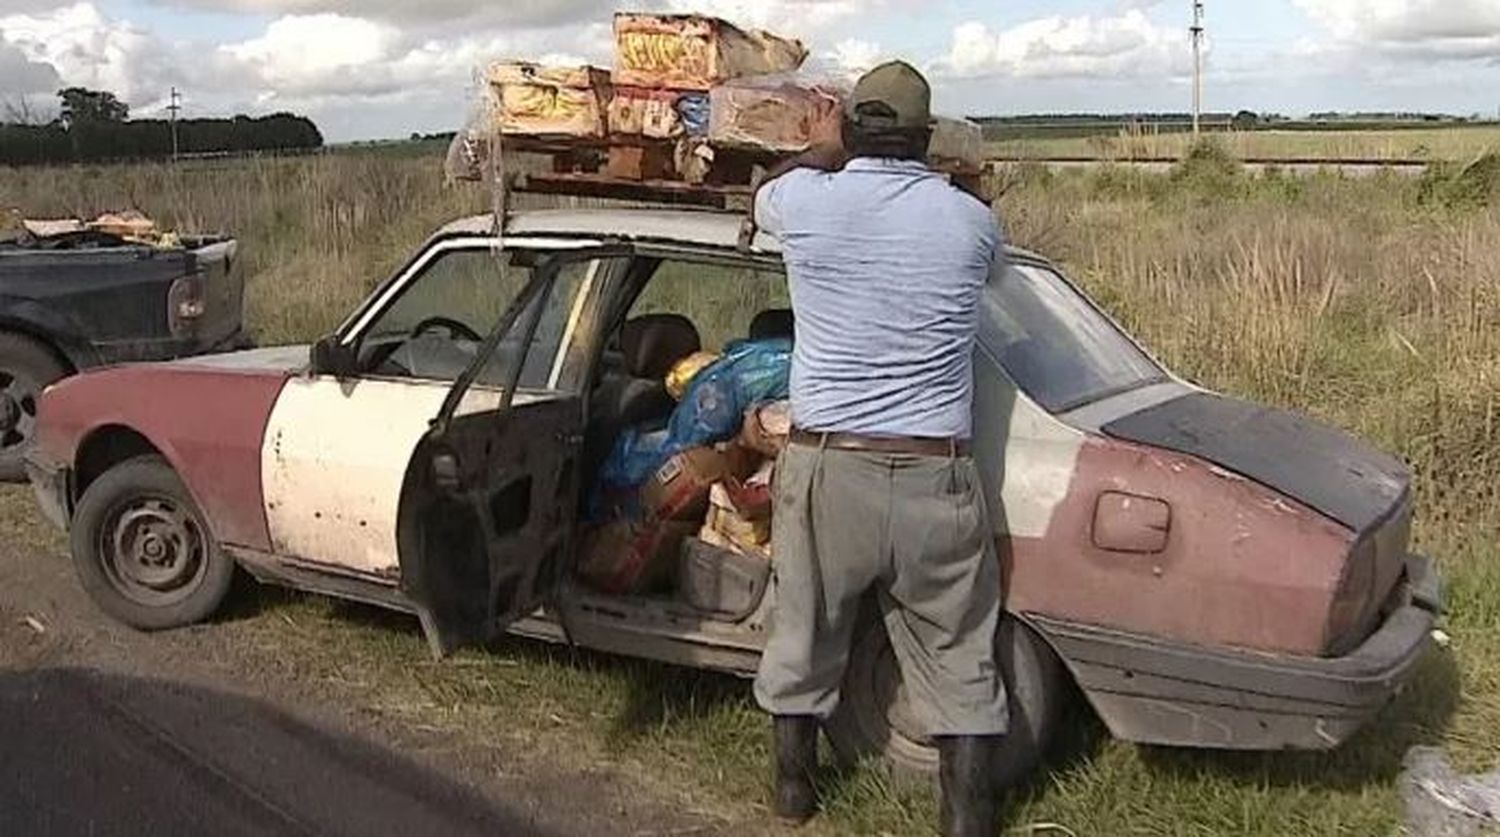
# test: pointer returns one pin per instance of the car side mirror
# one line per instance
(331, 356)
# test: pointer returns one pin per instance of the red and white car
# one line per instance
(1210, 573)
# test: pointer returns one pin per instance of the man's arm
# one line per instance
(826, 157)
(766, 215)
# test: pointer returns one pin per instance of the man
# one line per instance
(877, 491)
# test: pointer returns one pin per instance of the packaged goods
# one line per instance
(686, 370)
(692, 52)
(721, 581)
(680, 488)
(646, 161)
(712, 411)
(550, 101)
(694, 110)
(767, 428)
(632, 556)
(726, 519)
(777, 114)
(957, 145)
(640, 112)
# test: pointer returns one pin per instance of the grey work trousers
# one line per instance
(915, 530)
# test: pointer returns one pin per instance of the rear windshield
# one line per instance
(1055, 344)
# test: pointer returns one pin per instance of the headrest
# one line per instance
(772, 324)
(653, 344)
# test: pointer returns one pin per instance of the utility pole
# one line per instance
(173, 109)
(1197, 31)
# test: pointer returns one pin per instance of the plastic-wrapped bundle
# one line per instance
(711, 411)
(692, 52)
(641, 112)
(777, 113)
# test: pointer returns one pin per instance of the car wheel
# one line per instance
(143, 550)
(874, 717)
(26, 368)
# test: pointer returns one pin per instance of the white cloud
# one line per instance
(852, 56)
(85, 48)
(1421, 29)
(1125, 45)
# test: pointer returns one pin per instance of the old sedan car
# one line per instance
(1209, 572)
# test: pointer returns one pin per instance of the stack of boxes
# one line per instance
(684, 89)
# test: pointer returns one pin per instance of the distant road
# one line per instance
(1299, 166)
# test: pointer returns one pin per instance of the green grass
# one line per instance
(1371, 303)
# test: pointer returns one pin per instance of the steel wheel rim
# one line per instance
(18, 396)
(153, 551)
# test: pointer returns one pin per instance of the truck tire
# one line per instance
(26, 368)
(874, 720)
(143, 550)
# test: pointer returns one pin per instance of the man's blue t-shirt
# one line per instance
(886, 260)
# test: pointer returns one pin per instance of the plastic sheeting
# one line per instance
(711, 411)
(1440, 802)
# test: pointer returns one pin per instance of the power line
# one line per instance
(1197, 31)
(173, 109)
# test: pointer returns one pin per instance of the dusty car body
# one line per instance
(1211, 573)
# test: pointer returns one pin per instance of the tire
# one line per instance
(143, 550)
(874, 720)
(26, 368)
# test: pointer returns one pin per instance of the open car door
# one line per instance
(490, 499)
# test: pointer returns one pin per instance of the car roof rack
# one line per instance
(580, 168)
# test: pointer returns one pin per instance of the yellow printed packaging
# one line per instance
(550, 101)
(682, 375)
(693, 52)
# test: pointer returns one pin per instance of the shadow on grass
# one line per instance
(1418, 717)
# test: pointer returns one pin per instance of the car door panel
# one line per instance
(333, 461)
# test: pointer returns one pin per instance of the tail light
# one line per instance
(186, 305)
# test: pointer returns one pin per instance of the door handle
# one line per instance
(445, 472)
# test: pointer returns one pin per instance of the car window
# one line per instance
(722, 300)
(435, 329)
(1055, 344)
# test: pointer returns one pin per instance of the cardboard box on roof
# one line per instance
(534, 100)
(774, 114)
(694, 52)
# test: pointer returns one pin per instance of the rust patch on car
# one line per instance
(1237, 564)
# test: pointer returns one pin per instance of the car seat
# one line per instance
(773, 323)
(649, 346)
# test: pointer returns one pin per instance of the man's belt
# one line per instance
(882, 444)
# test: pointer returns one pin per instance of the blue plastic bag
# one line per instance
(712, 410)
(693, 110)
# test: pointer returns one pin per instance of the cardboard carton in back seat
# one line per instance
(679, 489)
(632, 557)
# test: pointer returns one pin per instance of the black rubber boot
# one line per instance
(796, 744)
(969, 806)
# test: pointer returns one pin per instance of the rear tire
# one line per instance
(143, 550)
(26, 368)
(874, 720)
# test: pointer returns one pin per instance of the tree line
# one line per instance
(94, 126)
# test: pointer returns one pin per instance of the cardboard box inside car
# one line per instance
(632, 556)
(679, 489)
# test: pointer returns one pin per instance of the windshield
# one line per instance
(1054, 344)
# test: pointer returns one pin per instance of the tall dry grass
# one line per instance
(1131, 143)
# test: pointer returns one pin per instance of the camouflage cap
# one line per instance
(893, 96)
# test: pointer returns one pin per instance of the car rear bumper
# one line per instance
(1156, 692)
(50, 482)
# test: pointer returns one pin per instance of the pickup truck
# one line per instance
(88, 299)
(1206, 572)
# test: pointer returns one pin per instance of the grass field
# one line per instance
(1455, 143)
(1372, 303)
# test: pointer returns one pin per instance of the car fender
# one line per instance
(209, 424)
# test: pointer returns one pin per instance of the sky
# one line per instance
(367, 69)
